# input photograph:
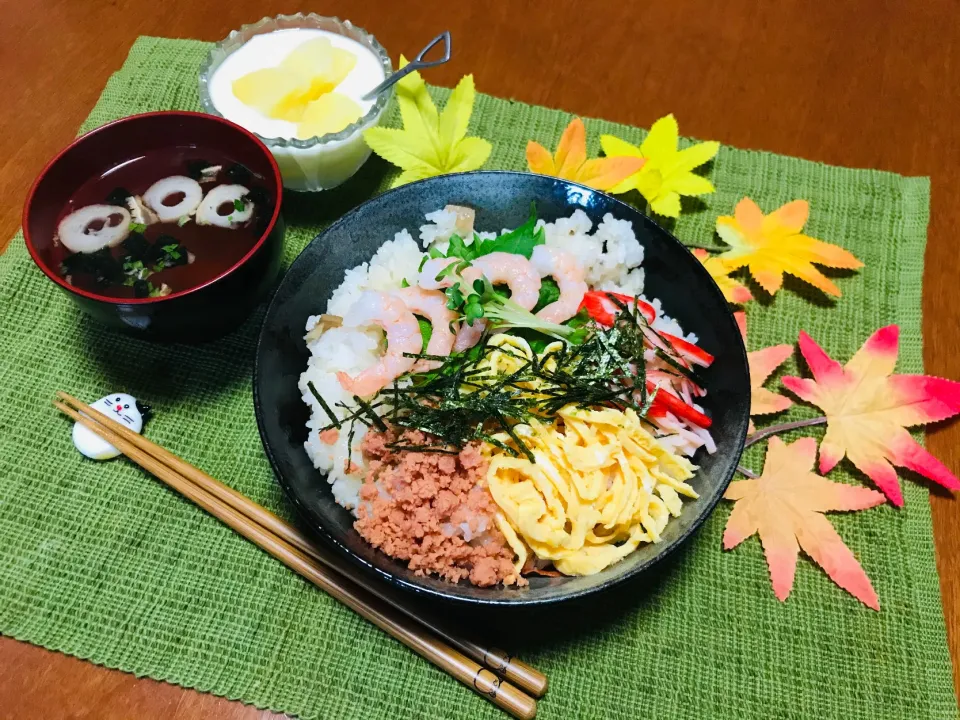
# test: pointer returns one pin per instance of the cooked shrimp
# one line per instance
(469, 335)
(403, 336)
(427, 279)
(564, 268)
(516, 272)
(431, 304)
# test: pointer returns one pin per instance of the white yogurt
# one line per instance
(321, 166)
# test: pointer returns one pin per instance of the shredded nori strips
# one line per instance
(462, 400)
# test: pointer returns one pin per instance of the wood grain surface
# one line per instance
(866, 83)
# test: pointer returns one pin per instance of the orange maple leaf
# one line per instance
(771, 245)
(868, 409)
(784, 507)
(570, 161)
(733, 291)
(762, 363)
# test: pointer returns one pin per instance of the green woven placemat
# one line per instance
(100, 561)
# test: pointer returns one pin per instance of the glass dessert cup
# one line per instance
(318, 163)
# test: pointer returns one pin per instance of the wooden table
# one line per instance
(861, 84)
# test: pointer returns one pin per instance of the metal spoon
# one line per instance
(418, 63)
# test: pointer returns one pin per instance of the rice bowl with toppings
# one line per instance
(493, 404)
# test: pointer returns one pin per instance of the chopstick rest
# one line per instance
(121, 407)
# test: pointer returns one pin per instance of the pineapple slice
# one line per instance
(276, 92)
(343, 62)
(330, 113)
(320, 65)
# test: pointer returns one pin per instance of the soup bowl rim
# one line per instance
(35, 253)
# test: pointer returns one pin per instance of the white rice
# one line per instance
(665, 324)
(350, 350)
(611, 255)
(396, 260)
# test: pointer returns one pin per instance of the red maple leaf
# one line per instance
(868, 408)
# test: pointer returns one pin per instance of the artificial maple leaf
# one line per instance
(430, 143)
(668, 172)
(733, 291)
(771, 245)
(868, 409)
(570, 161)
(784, 505)
(741, 317)
(762, 363)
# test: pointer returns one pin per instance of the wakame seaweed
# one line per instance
(195, 169)
(137, 246)
(100, 265)
(118, 196)
(239, 174)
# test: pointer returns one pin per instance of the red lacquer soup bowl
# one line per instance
(232, 272)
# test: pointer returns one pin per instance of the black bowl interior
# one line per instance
(501, 200)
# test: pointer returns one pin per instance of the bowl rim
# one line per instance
(369, 119)
(320, 529)
(108, 127)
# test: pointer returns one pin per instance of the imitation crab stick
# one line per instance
(689, 351)
(664, 402)
(602, 309)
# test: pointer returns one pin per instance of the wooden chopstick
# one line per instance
(525, 677)
(293, 549)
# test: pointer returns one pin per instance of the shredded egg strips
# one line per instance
(600, 486)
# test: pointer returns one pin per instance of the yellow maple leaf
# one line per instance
(668, 172)
(430, 143)
(771, 245)
(570, 160)
(733, 291)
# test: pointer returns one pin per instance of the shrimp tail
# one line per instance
(349, 384)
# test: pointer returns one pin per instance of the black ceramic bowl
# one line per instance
(198, 313)
(501, 200)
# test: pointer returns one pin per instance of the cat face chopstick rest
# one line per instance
(120, 407)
